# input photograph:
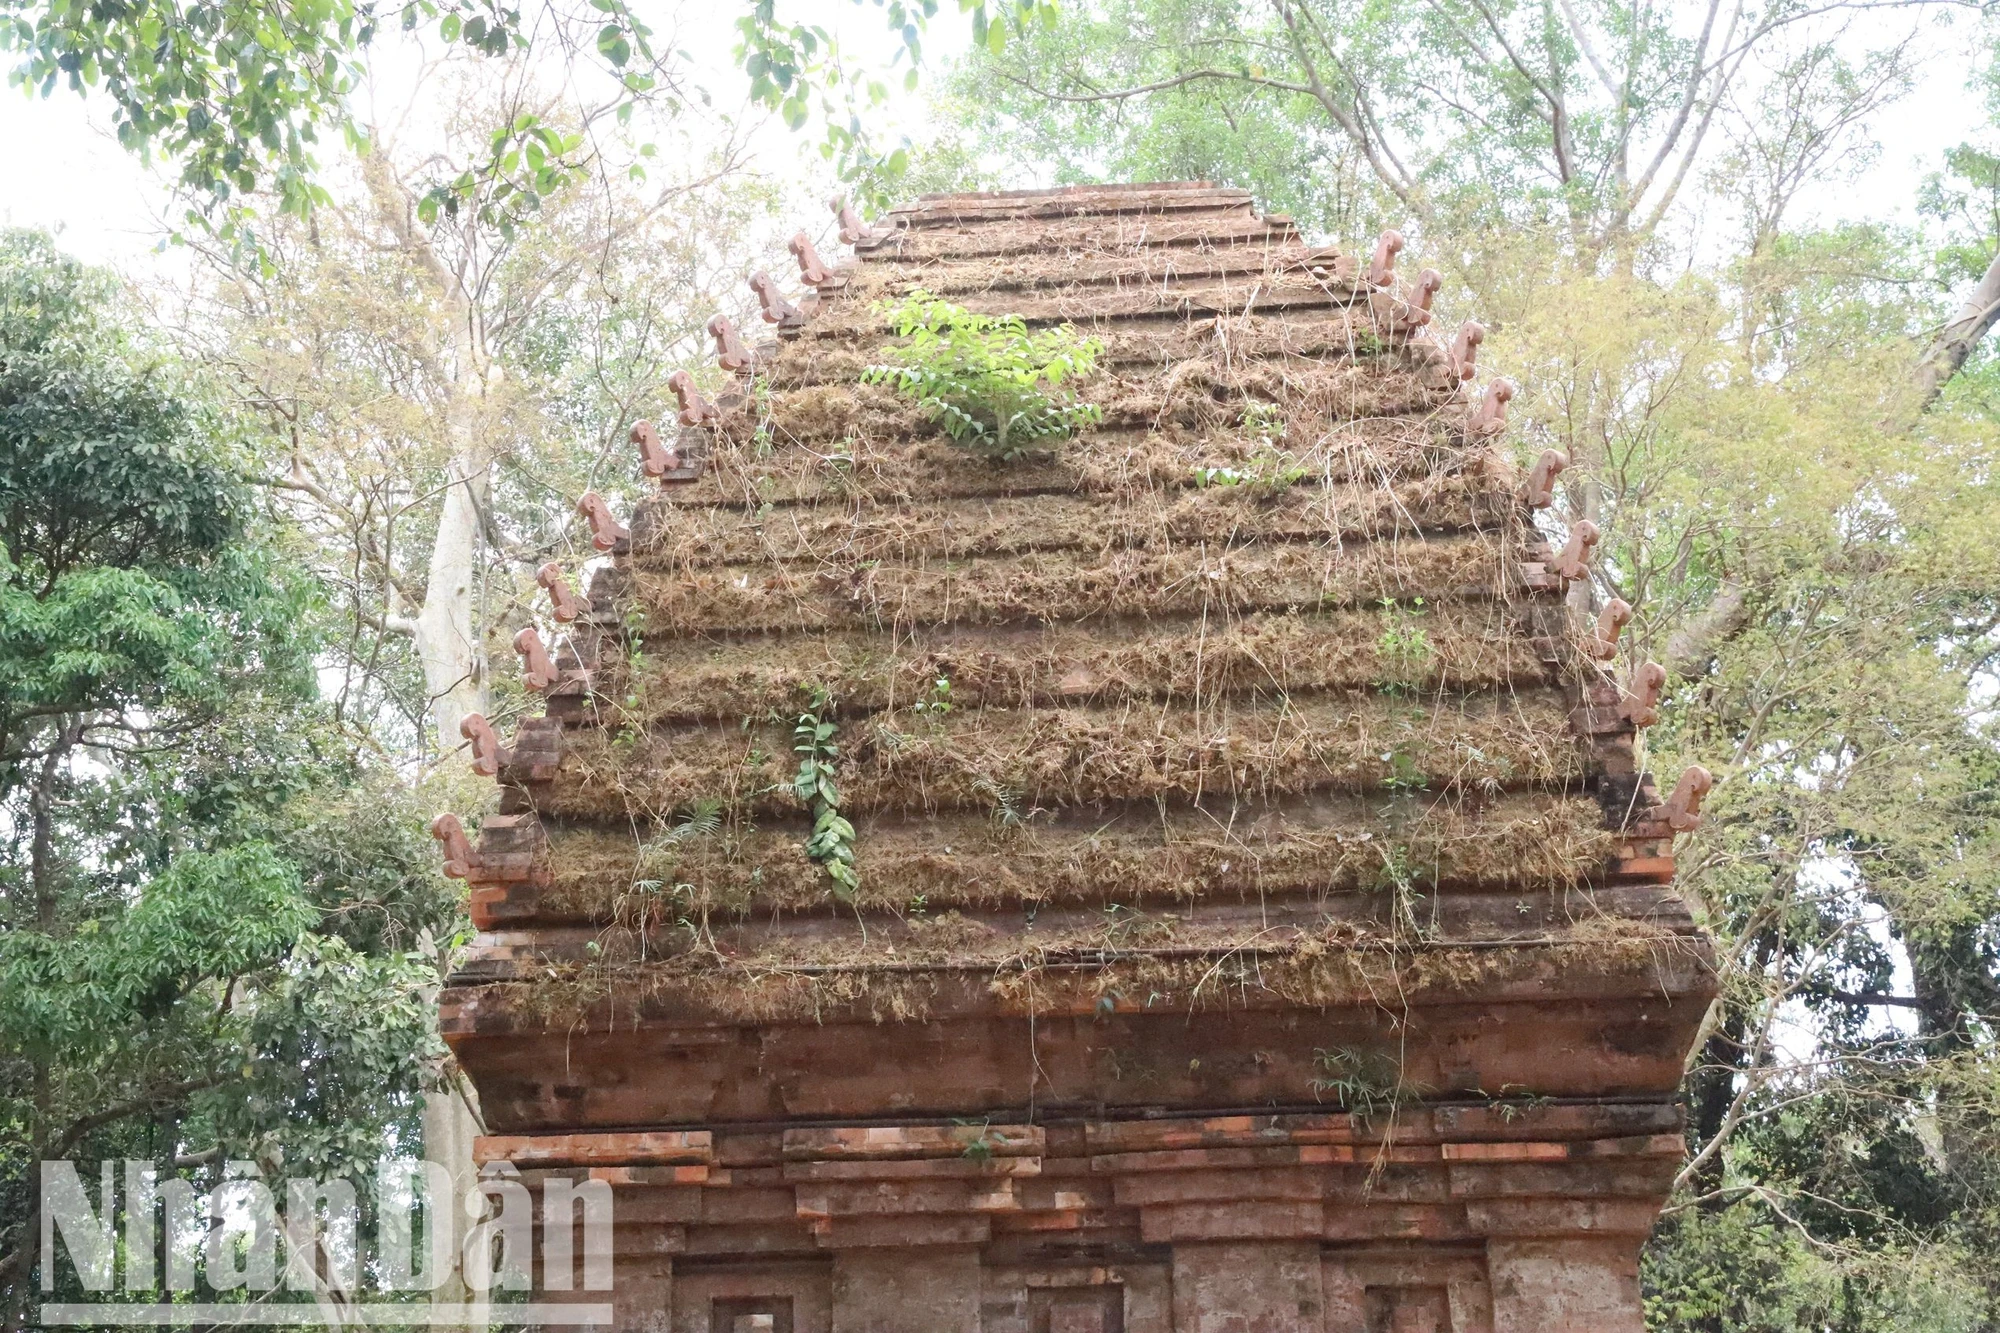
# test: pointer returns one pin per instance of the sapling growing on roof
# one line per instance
(831, 843)
(1404, 649)
(996, 387)
(1267, 470)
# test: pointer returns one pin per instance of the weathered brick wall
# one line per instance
(1220, 962)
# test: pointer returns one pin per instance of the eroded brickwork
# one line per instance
(1275, 934)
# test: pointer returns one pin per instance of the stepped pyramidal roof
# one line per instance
(1240, 755)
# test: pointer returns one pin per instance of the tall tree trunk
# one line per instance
(1956, 994)
(42, 873)
(449, 1129)
(449, 639)
(1947, 355)
(449, 643)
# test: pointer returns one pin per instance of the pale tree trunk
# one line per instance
(449, 1129)
(449, 639)
(1947, 355)
(449, 642)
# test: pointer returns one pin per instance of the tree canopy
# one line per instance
(192, 964)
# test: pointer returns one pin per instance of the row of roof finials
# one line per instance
(1399, 308)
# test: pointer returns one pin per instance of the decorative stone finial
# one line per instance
(1540, 491)
(1684, 806)
(1611, 622)
(812, 272)
(852, 229)
(538, 672)
(1490, 417)
(605, 531)
(550, 577)
(777, 310)
(730, 351)
(1429, 282)
(1641, 704)
(695, 409)
(1382, 269)
(656, 459)
(460, 860)
(488, 754)
(1572, 563)
(1465, 349)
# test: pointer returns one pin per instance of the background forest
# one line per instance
(273, 509)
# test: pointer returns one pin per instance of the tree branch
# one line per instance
(150, 1101)
(1690, 647)
(1870, 997)
(1953, 345)
(1397, 182)
(1163, 85)
(1589, 49)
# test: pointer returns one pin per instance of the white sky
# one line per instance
(68, 175)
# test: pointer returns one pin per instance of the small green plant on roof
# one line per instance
(1402, 773)
(979, 1148)
(1266, 421)
(936, 701)
(1514, 1100)
(1404, 650)
(1362, 1083)
(1268, 469)
(657, 895)
(995, 386)
(1400, 877)
(816, 742)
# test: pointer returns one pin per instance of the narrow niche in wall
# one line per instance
(756, 1314)
(1408, 1310)
(1095, 1309)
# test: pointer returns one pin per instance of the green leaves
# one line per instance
(107, 450)
(528, 160)
(994, 386)
(790, 62)
(237, 91)
(341, 1045)
(156, 717)
(209, 916)
(831, 842)
(232, 89)
(124, 584)
(614, 45)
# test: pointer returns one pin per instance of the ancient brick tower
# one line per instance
(1262, 924)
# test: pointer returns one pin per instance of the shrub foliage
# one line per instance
(993, 384)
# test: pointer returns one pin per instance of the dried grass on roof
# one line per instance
(1453, 646)
(1116, 639)
(1339, 967)
(1057, 587)
(753, 472)
(1293, 297)
(1071, 756)
(828, 356)
(681, 536)
(1085, 236)
(1192, 395)
(1056, 270)
(1336, 846)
